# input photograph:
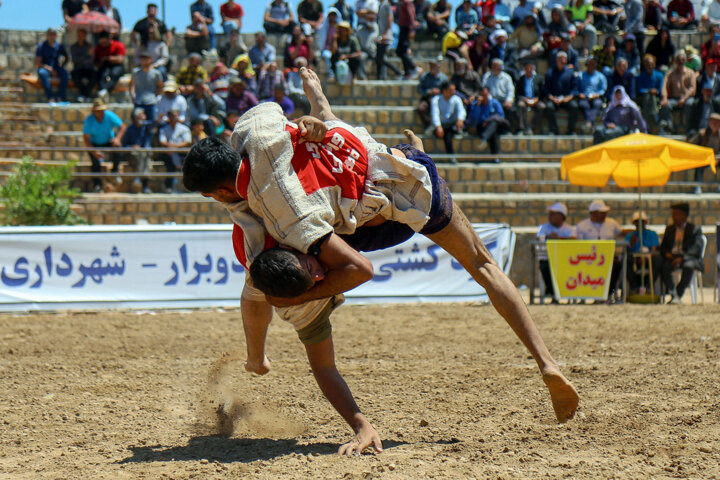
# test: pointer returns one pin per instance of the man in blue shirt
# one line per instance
(593, 85)
(649, 84)
(99, 131)
(49, 64)
(486, 115)
(448, 115)
(561, 90)
(205, 10)
(529, 90)
(650, 243)
(139, 135)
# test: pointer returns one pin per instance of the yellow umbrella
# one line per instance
(635, 160)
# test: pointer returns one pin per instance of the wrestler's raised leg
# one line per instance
(460, 240)
(319, 105)
(414, 140)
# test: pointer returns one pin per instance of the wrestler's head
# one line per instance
(211, 168)
(286, 273)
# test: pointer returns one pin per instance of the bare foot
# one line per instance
(563, 395)
(319, 105)
(413, 139)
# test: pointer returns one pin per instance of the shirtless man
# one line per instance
(336, 267)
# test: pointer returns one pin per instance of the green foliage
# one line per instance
(39, 195)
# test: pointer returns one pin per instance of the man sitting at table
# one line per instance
(650, 244)
(555, 228)
(681, 248)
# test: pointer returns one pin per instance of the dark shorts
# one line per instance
(389, 234)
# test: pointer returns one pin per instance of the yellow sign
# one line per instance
(581, 268)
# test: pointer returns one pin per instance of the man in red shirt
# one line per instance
(109, 60)
(232, 14)
(681, 15)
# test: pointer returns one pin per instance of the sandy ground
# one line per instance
(125, 395)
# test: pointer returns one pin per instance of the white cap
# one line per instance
(598, 206)
(637, 215)
(558, 207)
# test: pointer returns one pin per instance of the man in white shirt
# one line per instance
(711, 14)
(555, 228)
(448, 115)
(367, 25)
(600, 227)
(173, 135)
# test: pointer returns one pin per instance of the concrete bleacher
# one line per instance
(515, 190)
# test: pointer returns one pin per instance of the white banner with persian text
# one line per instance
(54, 268)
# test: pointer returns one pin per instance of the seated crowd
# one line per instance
(680, 249)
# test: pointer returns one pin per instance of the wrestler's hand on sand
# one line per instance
(311, 129)
(258, 367)
(366, 436)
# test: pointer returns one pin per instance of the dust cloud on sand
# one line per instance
(231, 407)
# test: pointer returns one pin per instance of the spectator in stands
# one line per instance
(677, 94)
(707, 137)
(171, 100)
(295, 89)
(83, 73)
(528, 38)
(406, 22)
(268, 80)
(197, 131)
(300, 45)
(438, 19)
(233, 48)
(113, 13)
(232, 15)
(693, 59)
(560, 91)
(279, 96)
(197, 35)
(325, 35)
(529, 90)
(367, 25)
(220, 81)
(650, 244)
(230, 121)
(448, 115)
(102, 128)
(711, 14)
(139, 135)
(158, 51)
(71, 8)
(50, 60)
(581, 16)
(262, 53)
(453, 42)
(477, 51)
(502, 50)
(346, 11)
(467, 82)
(662, 48)
(566, 46)
(502, 89)
(244, 70)
(522, 10)
(203, 105)
(145, 86)
(600, 227)
(605, 56)
(346, 47)
(486, 116)
(191, 72)
(701, 109)
(558, 25)
(591, 92)
(606, 15)
(466, 18)
(384, 41)
(681, 249)
(173, 135)
(141, 30)
(310, 15)
(279, 17)
(654, 15)
(109, 62)
(709, 75)
(628, 51)
(649, 85)
(634, 16)
(555, 228)
(206, 17)
(421, 9)
(710, 49)
(240, 98)
(681, 15)
(622, 116)
(621, 76)
(429, 87)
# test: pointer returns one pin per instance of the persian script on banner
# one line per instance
(581, 268)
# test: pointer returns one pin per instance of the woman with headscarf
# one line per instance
(662, 48)
(243, 66)
(621, 117)
(325, 35)
(556, 29)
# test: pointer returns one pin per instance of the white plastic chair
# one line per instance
(696, 282)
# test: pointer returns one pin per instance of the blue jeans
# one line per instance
(229, 26)
(212, 36)
(150, 111)
(45, 77)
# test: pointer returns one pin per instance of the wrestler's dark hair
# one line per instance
(277, 272)
(208, 164)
